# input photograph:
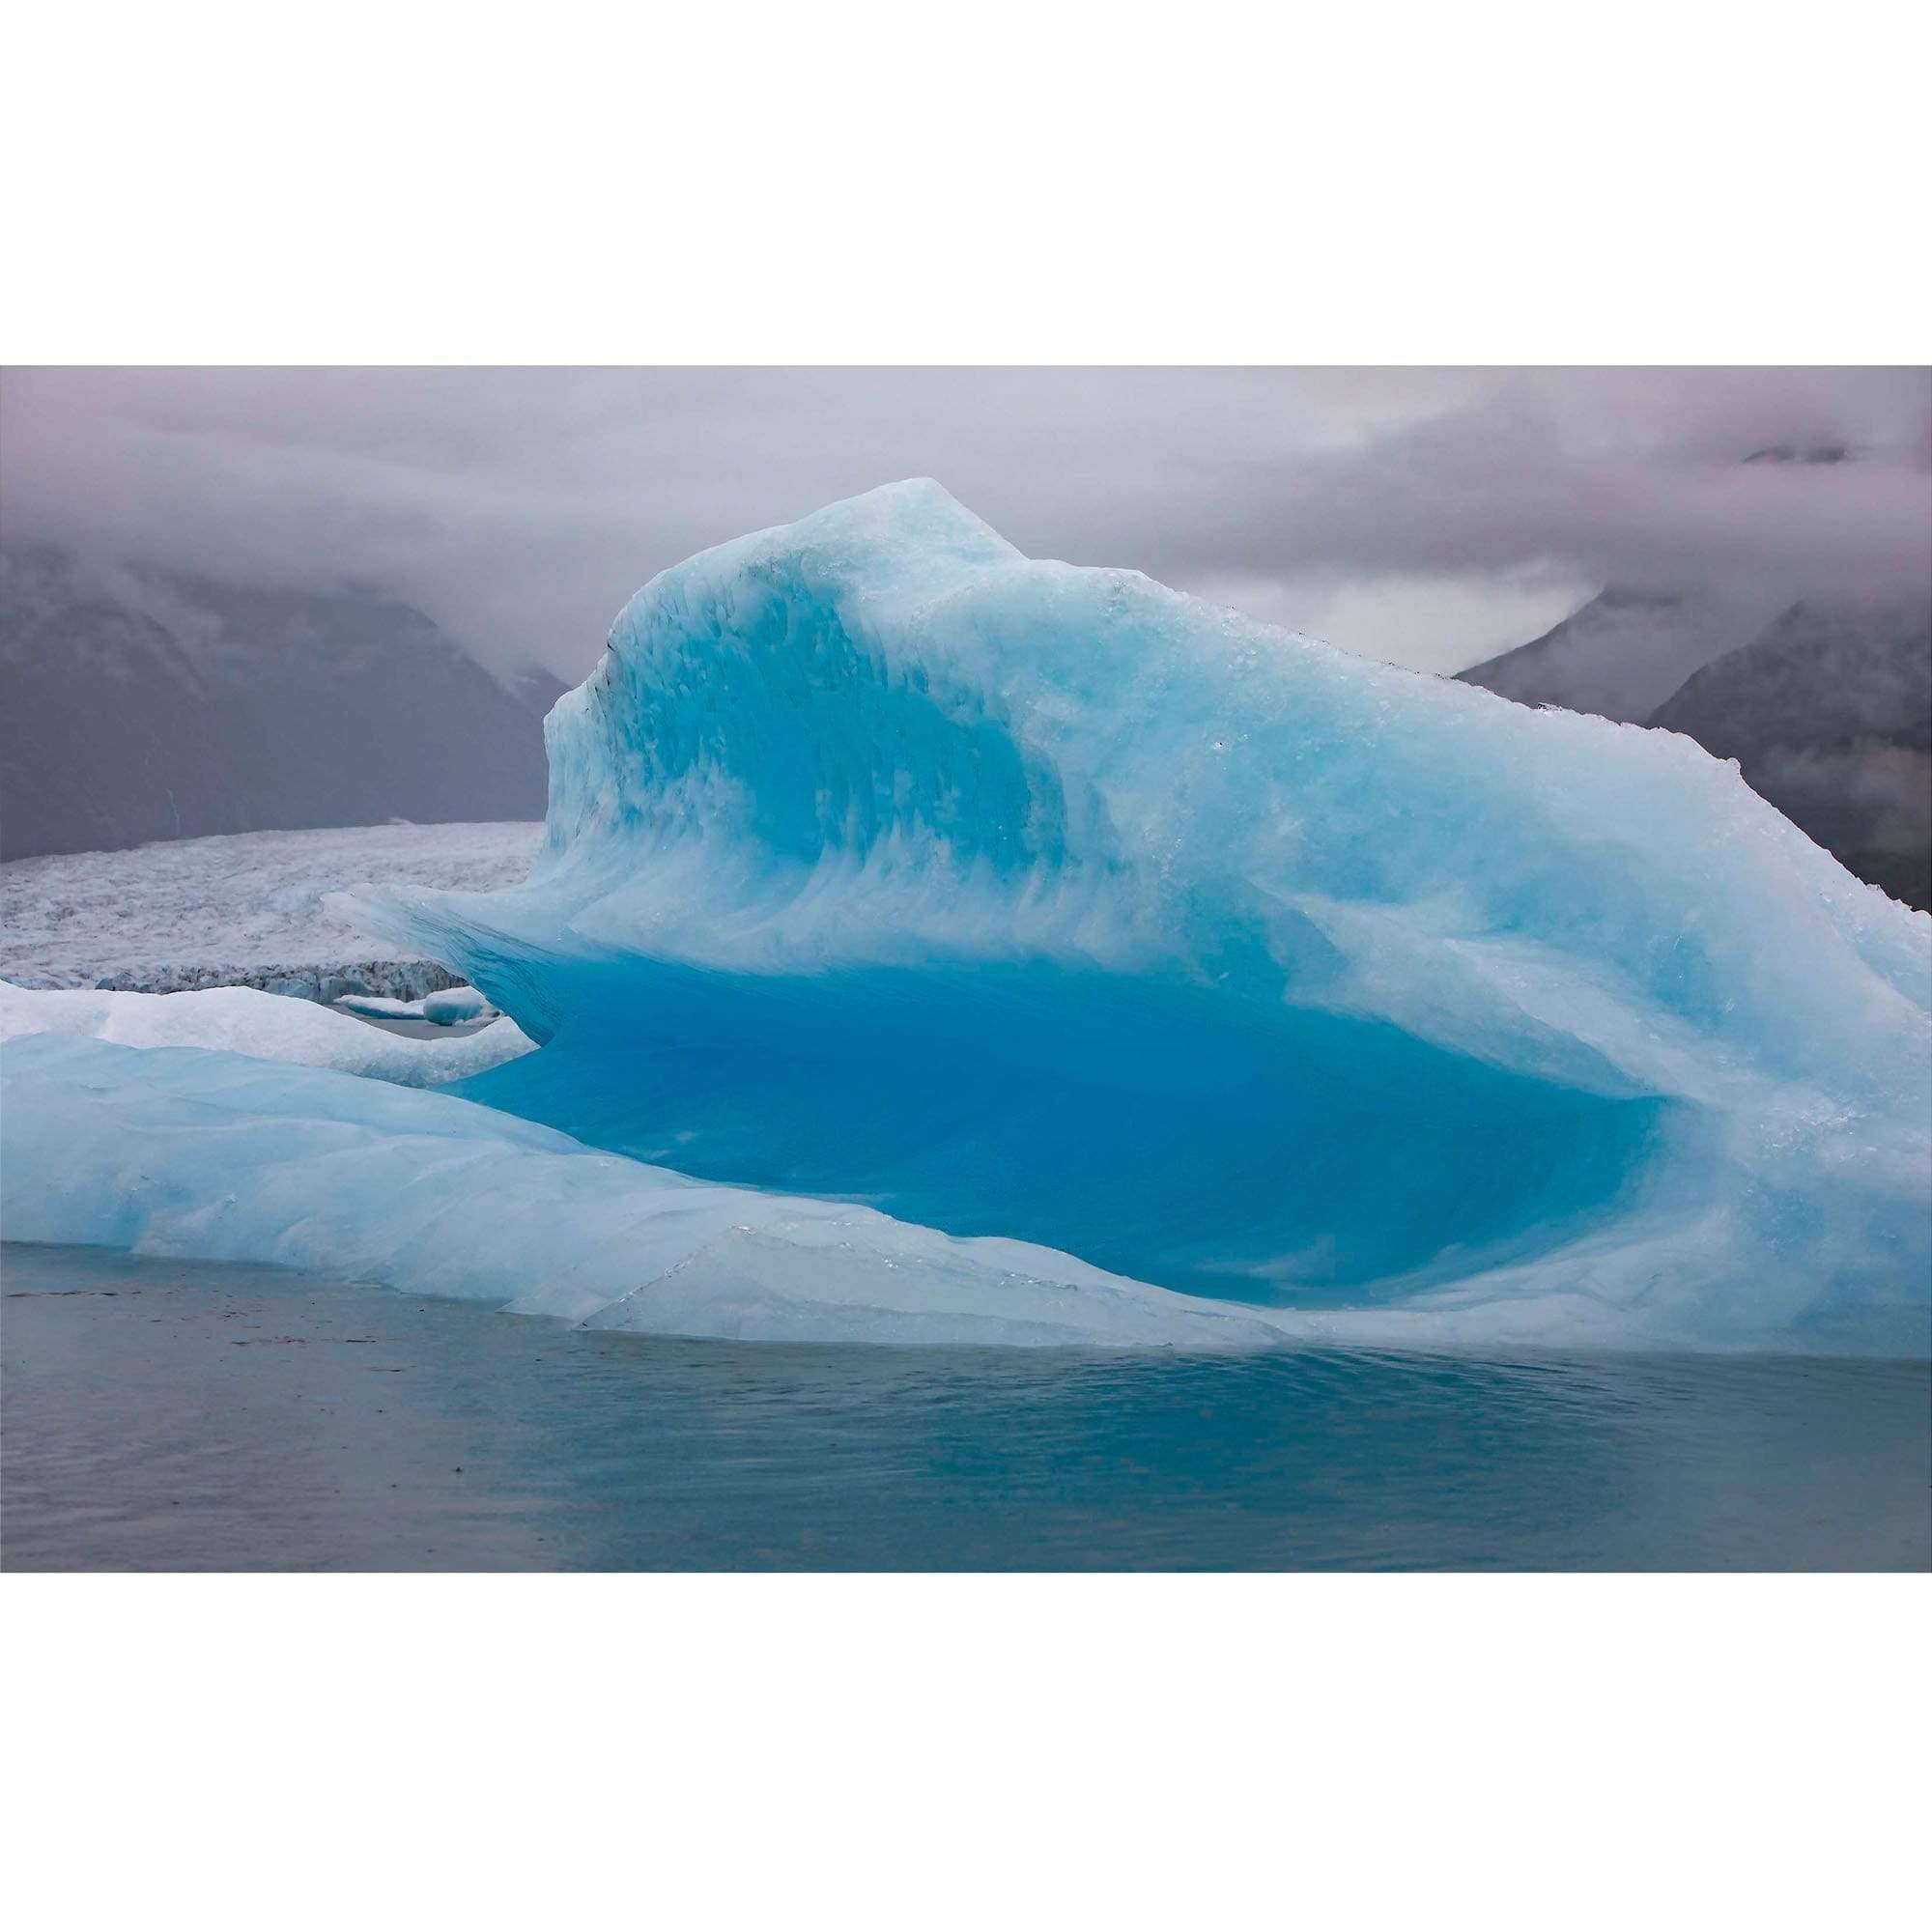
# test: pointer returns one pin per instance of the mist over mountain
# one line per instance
(1829, 714)
(1824, 702)
(1428, 517)
(1625, 652)
(144, 703)
(1828, 709)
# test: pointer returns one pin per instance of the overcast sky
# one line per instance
(1431, 517)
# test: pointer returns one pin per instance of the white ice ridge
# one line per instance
(1018, 899)
(239, 1019)
(217, 1157)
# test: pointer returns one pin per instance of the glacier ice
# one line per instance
(266, 1026)
(453, 1006)
(1023, 899)
(215, 1155)
(224, 1157)
(241, 909)
(373, 1006)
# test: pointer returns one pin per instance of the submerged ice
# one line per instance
(1018, 899)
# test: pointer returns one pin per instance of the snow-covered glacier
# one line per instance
(242, 909)
(885, 864)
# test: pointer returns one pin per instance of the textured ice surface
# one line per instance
(373, 1006)
(453, 1006)
(239, 1019)
(1021, 899)
(220, 1157)
(241, 910)
(216, 1156)
(211, 1155)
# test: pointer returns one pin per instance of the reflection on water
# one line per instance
(178, 1415)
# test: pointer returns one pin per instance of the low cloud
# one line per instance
(1430, 516)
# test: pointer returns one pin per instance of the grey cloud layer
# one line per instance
(521, 507)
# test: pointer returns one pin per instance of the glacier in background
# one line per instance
(884, 863)
(244, 909)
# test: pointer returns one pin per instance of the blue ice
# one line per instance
(884, 863)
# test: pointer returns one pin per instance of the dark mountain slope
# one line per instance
(138, 704)
(1829, 714)
(1623, 653)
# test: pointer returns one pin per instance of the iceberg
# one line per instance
(454, 1005)
(201, 1153)
(219, 1157)
(376, 1007)
(263, 1026)
(887, 866)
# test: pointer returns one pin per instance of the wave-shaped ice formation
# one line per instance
(1018, 898)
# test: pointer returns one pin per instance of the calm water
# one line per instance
(170, 1415)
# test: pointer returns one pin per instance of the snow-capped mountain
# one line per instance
(1624, 652)
(1829, 713)
(137, 703)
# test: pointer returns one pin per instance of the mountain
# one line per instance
(1829, 714)
(1624, 652)
(138, 703)
(1826, 710)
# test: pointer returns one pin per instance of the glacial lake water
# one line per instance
(166, 1415)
